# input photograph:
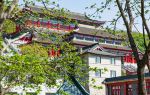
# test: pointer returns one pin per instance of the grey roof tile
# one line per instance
(123, 78)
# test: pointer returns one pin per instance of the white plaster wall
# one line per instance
(105, 60)
(105, 63)
(91, 60)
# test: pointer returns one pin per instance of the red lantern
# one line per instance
(53, 52)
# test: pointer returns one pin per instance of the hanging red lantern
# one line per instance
(53, 52)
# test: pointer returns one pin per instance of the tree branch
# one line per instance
(11, 8)
(145, 45)
(143, 18)
(145, 58)
(129, 30)
(129, 13)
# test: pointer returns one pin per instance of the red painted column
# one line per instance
(125, 89)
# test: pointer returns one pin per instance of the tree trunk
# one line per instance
(141, 81)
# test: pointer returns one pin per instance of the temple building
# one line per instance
(107, 65)
(125, 85)
(98, 48)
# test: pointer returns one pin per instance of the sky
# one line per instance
(80, 5)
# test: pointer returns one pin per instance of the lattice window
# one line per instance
(116, 90)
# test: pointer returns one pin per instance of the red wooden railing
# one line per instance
(129, 59)
(49, 25)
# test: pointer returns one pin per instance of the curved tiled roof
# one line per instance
(107, 46)
(123, 78)
(91, 49)
(97, 32)
(101, 53)
(81, 18)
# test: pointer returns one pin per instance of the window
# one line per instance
(102, 40)
(89, 38)
(112, 73)
(98, 59)
(116, 90)
(98, 73)
(97, 39)
(80, 37)
(112, 60)
(118, 42)
(109, 41)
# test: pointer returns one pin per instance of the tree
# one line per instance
(129, 11)
(33, 66)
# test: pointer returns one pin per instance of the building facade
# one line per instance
(125, 85)
(101, 50)
(103, 64)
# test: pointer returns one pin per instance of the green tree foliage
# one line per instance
(138, 37)
(33, 66)
(9, 26)
(34, 50)
(139, 40)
